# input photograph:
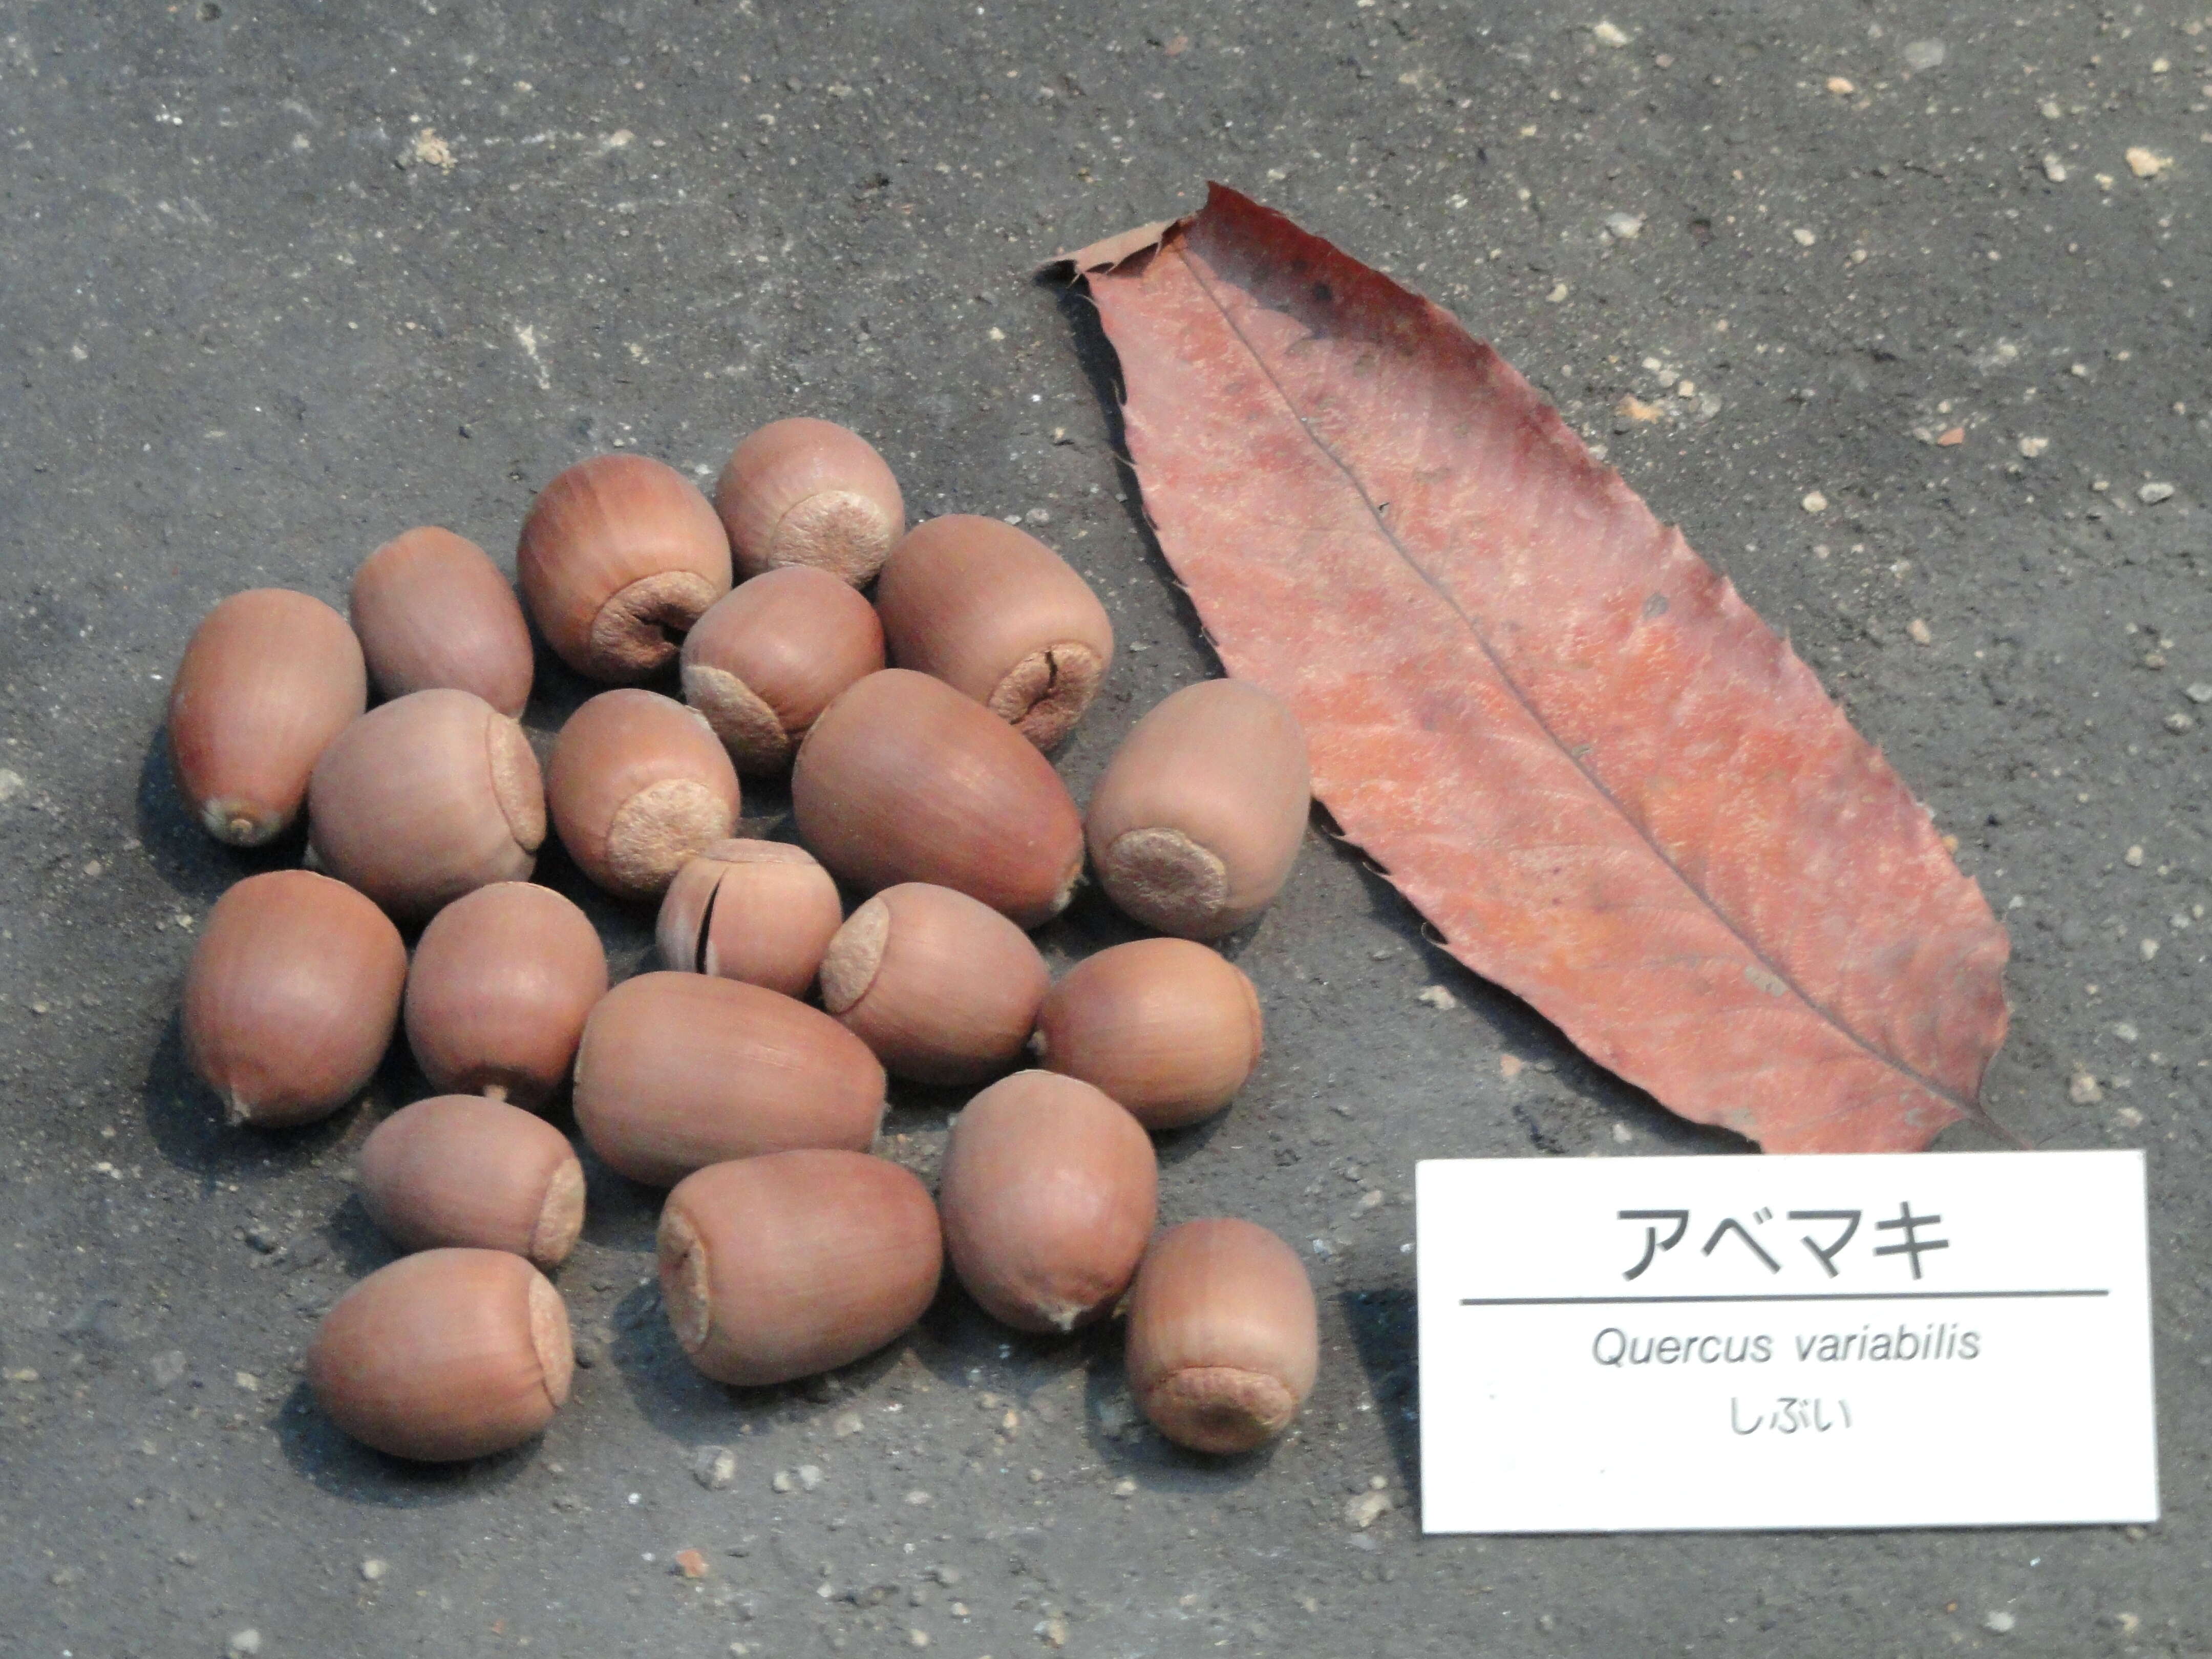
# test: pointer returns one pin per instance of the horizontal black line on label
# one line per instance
(1807, 1296)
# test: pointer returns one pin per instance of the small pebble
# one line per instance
(1364, 1511)
(2083, 1089)
(2178, 722)
(1559, 292)
(1626, 226)
(847, 1423)
(2199, 692)
(2054, 169)
(2133, 858)
(374, 1570)
(1840, 87)
(1803, 237)
(918, 1639)
(714, 1467)
(2151, 494)
(1918, 629)
(245, 1642)
(2150, 949)
(1609, 35)
(1924, 54)
(2031, 448)
(919, 1498)
(2145, 163)
(1998, 1621)
(810, 1476)
(1437, 997)
(781, 1480)
(1125, 1488)
(690, 1563)
(1815, 501)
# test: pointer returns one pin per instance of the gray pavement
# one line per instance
(279, 280)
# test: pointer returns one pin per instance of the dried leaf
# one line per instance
(1574, 748)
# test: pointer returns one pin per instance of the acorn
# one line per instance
(619, 555)
(427, 798)
(290, 999)
(638, 783)
(1168, 1028)
(678, 1071)
(432, 610)
(268, 679)
(461, 1169)
(770, 654)
(1222, 1342)
(942, 987)
(777, 1268)
(761, 911)
(444, 1355)
(808, 492)
(502, 982)
(1196, 821)
(903, 779)
(998, 615)
(1049, 1194)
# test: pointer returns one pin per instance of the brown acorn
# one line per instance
(1223, 1341)
(1049, 1194)
(425, 798)
(808, 492)
(761, 911)
(432, 610)
(770, 655)
(903, 779)
(996, 614)
(462, 1169)
(270, 677)
(679, 1070)
(1197, 819)
(1168, 1028)
(445, 1355)
(502, 982)
(638, 784)
(290, 999)
(777, 1268)
(618, 557)
(942, 987)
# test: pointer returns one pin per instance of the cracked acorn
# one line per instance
(996, 614)
(760, 911)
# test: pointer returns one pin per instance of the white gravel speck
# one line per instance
(1124, 1488)
(714, 1467)
(2150, 949)
(1627, 225)
(2083, 1089)
(1998, 1621)
(1610, 33)
(811, 1475)
(245, 1642)
(374, 1570)
(11, 785)
(847, 1423)
(2199, 692)
(1924, 54)
(1815, 501)
(2054, 169)
(1918, 631)
(919, 1498)
(2178, 722)
(2031, 448)
(2133, 858)
(2147, 163)
(1803, 237)
(2152, 493)
(1437, 997)
(1364, 1511)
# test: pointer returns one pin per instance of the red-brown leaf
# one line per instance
(1575, 749)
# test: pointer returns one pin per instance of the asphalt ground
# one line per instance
(1914, 351)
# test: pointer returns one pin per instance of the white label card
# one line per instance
(1663, 1344)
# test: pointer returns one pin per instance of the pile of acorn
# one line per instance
(784, 1247)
